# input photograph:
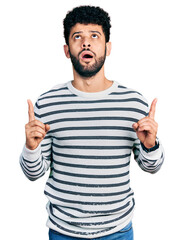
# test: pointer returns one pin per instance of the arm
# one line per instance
(148, 151)
(149, 160)
(35, 159)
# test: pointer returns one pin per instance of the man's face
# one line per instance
(87, 49)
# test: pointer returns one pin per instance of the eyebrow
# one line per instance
(76, 33)
(82, 32)
(96, 32)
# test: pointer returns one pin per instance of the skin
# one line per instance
(146, 128)
(90, 37)
(35, 130)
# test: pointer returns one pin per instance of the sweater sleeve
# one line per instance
(35, 163)
(149, 160)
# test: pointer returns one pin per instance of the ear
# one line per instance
(66, 50)
(108, 48)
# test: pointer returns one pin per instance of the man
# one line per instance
(84, 131)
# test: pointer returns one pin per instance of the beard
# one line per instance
(87, 71)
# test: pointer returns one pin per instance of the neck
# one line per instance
(96, 83)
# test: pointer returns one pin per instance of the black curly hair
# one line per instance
(87, 15)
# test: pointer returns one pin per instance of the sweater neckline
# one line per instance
(99, 94)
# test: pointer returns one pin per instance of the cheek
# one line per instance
(101, 50)
(74, 46)
(73, 50)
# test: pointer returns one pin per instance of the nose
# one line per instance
(86, 43)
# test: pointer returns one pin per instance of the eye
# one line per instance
(77, 37)
(94, 36)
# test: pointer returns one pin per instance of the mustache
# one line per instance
(86, 49)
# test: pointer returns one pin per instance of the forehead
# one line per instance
(86, 28)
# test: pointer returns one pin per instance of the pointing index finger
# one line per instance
(152, 109)
(30, 111)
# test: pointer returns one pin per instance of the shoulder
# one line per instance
(54, 91)
(131, 94)
(51, 97)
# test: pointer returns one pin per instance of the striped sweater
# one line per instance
(88, 150)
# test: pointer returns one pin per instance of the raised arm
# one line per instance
(148, 151)
(35, 129)
(35, 159)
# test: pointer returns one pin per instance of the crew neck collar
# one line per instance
(99, 94)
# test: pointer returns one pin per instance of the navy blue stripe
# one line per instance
(90, 147)
(92, 212)
(91, 175)
(91, 110)
(85, 203)
(54, 90)
(123, 93)
(91, 185)
(91, 166)
(73, 95)
(90, 156)
(80, 233)
(92, 128)
(57, 96)
(104, 194)
(91, 101)
(32, 162)
(94, 137)
(93, 119)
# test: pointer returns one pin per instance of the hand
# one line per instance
(146, 128)
(35, 130)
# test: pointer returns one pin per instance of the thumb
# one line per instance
(135, 126)
(47, 128)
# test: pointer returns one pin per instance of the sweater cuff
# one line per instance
(31, 155)
(150, 149)
(153, 153)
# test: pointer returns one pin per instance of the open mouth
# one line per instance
(86, 55)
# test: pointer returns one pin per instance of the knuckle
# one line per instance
(36, 128)
(27, 126)
(36, 122)
(36, 133)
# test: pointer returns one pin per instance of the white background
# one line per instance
(147, 55)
